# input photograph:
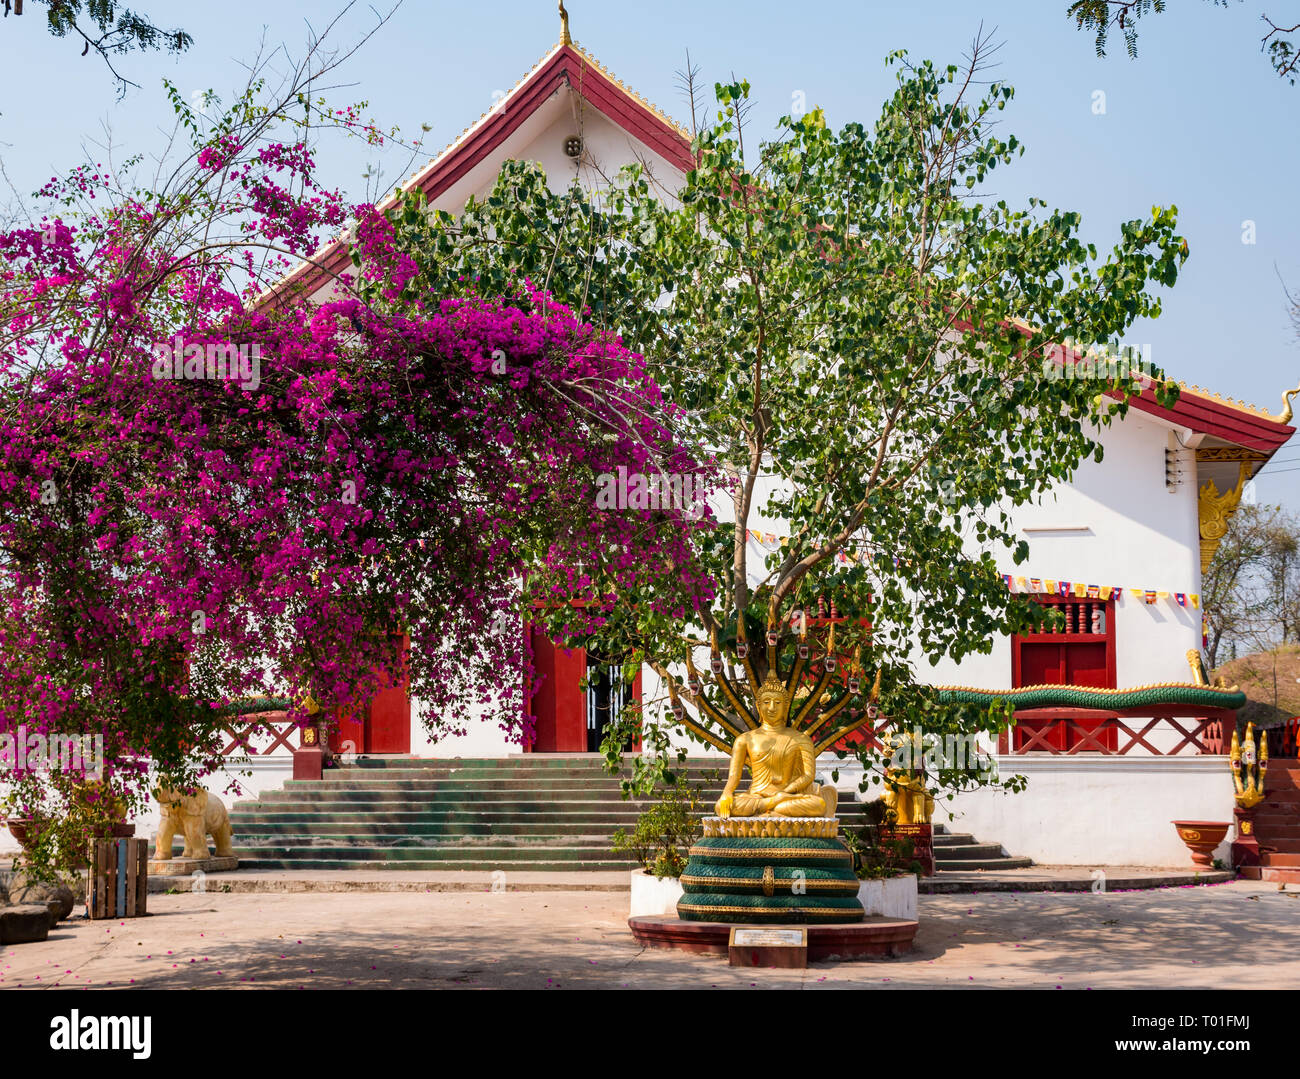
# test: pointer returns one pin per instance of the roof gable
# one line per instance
(566, 65)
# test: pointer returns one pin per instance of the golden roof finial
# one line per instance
(565, 39)
(1285, 415)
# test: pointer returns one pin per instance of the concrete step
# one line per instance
(968, 851)
(406, 811)
(406, 781)
(1267, 821)
(384, 833)
(456, 795)
(1280, 831)
(966, 865)
(1282, 875)
(1278, 859)
(433, 853)
(512, 766)
(477, 864)
(353, 841)
(432, 814)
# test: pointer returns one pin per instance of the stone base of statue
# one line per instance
(770, 870)
(186, 867)
(772, 827)
(920, 836)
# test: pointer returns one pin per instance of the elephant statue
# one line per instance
(195, 816)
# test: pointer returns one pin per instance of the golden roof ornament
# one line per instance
(1285, 415)
(565, 39)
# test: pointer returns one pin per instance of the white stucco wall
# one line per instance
(1115, 524)
(1087, 810)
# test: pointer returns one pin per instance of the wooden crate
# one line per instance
(119, 878)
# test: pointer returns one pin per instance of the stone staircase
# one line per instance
(1277, 825)
(527, 814)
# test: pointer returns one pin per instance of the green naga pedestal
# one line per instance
(770, 870)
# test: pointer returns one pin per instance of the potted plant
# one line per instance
(661, 843)
(55, 815)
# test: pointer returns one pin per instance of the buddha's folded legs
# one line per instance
(787, 805)
(800, 805)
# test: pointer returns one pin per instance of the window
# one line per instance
(1081, 653)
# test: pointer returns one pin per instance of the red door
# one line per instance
(383, 725)
(558, 709)
(568, 718)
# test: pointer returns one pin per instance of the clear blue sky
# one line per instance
(1198, 120)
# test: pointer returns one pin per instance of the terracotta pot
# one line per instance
(1202, 838)
(21, 829)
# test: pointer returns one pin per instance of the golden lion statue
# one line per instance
(907, 797)
(195, 816)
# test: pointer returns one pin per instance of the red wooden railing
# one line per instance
(262, 734)
(1071, 731)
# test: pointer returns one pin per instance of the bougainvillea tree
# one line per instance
(208, 498)
(869, 348)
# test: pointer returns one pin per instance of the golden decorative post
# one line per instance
(565, 39)
(1248, 770)
(1248, 774)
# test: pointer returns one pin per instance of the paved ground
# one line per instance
(1037, 879)
(1219, 936)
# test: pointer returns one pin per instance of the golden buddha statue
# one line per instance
(781, 764)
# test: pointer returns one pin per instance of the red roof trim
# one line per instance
(566, 65)
(1202, 415)
(1207, 416)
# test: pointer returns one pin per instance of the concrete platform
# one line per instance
(1069, 878)
(1158, 940)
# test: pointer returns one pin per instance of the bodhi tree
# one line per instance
(866, 347)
